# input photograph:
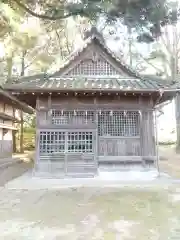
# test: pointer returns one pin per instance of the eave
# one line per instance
(5, 116)
(158, 96)
(15, 102)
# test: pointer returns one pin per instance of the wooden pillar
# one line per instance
(36, 160)
(49, 109)
(14, 134)
(156, 150)
(142, 130)
(21, 133)
(142, 135)
(148, 135)
(96, 137)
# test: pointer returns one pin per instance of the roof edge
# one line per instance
(22, 106)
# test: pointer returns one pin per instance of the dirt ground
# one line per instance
(91, 213)
(169, 161)
(76, 214)
(15, 170)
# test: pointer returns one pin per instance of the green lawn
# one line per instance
(108, 214)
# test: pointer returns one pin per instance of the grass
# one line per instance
(97, 214)
(92, 213)
(171, 161)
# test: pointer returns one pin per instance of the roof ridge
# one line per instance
(101, 40)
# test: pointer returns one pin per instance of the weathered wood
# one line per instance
(6, 148)
(124, 159)
(73, 116)
(108, 102)
(66, 127)
(148, 134)
(21, 132)
(119, 146)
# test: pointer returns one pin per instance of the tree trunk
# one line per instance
(9, 62)
(21, 133)
(21, 114)
(174, 73)
(23, 63)
(14, 141)
(130, 45)
(177, 110)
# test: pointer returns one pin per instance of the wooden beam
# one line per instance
(49, 117)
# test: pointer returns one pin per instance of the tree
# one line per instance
(147, 16)
(37, 41)
(144, 19)
(167, 52)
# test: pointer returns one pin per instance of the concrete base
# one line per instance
(103, 179)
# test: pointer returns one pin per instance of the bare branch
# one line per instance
(52, 18)
(166, 45)
(58, 36)
(39, 49)
(66, 42)
(146, 60)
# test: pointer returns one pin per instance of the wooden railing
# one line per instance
(6, 148)
(119, 146)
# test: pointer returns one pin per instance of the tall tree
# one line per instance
(145, 15)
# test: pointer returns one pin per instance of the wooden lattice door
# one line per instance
(81, 152)
(68, 152)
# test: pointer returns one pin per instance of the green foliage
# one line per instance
(29, 121)
(29, 135)
(28, 47)
(147, 16)
(29, 140)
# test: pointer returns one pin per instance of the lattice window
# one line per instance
(118, 123)
(52, 142)
(72, 117)
(93, 68)
(80, 142)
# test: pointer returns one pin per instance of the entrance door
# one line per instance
(51, 146)
(68, 152)
(80, 155)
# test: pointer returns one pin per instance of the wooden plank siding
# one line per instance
(7, 125)
(107, 149)
(6, 148)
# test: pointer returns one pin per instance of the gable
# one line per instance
(93, 67)
(93, 60)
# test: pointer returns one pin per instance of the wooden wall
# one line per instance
(6, 126)
(144, 146)
(6, 148)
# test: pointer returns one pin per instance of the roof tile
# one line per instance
(54, 84)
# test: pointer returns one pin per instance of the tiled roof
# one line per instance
(80, 83)
(13, 99)
(56, 82)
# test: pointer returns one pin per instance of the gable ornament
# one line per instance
(95, 57)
